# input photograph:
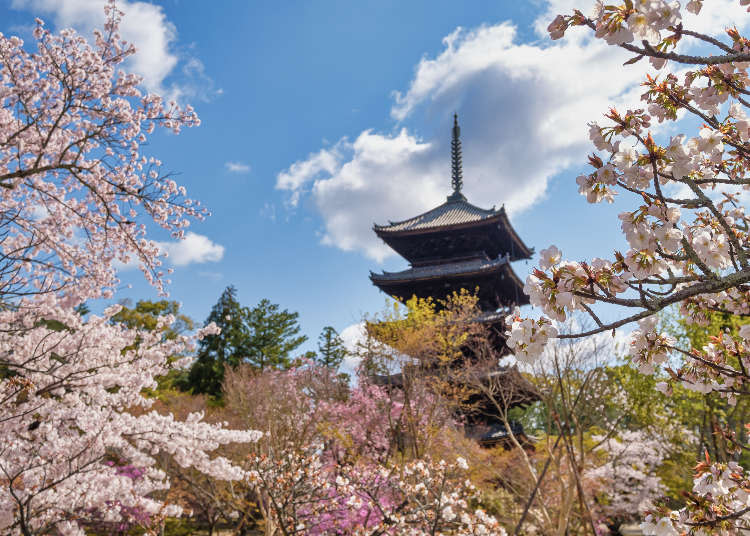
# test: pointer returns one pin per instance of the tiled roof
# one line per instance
(452, 212)
(472, 266)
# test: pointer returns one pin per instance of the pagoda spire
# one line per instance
(456, 172)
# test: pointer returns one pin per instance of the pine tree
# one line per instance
(216, 351)
(272, 335)
(263, 337)
(331, 349)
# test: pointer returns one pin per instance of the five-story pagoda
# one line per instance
(459, 246)
(456, 246)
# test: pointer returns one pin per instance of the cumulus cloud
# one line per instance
(194, 248)
(321, 164)
(371, 178)
(215, 276)
(144, 24)
(523, 110)
(352, 336)
(523, 107)
(237, 167)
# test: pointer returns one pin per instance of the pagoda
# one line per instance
(455, 246)
(460, 246)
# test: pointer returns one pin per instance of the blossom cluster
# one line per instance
(528, 337)
(75, 182)
(305, 495)
(65, 414)
(365, 423)
(681, 250)
(628, 473)
(720, 501)
(618, 24)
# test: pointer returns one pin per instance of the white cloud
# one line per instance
(144, 24)
(215, 276)
(523, 110)
(523, 107)
(352, 336)
(195, 83)
(321, 164)
(369, 179)
(194, 248)
(237, 167)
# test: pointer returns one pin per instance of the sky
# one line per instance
(321, 118)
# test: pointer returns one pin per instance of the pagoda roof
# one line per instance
(493, 277)
(456, 213)
(494, 435)
(452, 212)
(430, 271)
(449, 225)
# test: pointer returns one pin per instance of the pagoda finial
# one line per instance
(456, 171)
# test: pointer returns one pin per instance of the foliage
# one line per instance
(331, 349)
(263, 336)
(146, 313)
(426, 331)
(226, 347)
(145, 316)
(273, 335)
(332, 458)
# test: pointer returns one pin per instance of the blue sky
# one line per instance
(319, 118)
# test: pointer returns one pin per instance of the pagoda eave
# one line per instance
(498, 283)
(493, 226)
(466, 268)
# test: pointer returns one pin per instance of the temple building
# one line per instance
(455, 246)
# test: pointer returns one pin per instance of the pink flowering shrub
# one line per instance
(302, 494)
(288, 406)
(129, 517)
(378, 421)
(366, 424)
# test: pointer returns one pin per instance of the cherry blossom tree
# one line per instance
(76, 195)
(687, 229)
(628, 473)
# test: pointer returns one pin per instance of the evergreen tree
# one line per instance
(216, 351)
(331, 349)
(272, 335)
(263, 336)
